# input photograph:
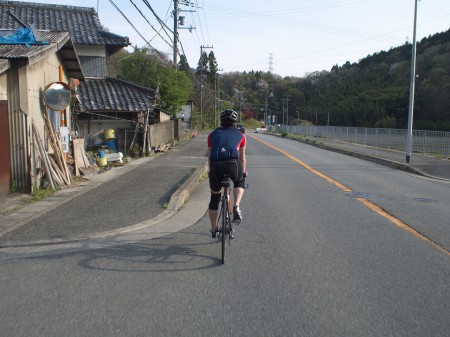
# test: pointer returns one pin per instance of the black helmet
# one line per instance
(228, 116)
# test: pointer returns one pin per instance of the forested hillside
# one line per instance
(373, 92)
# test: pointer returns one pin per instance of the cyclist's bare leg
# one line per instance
(238, 194)
(214, 214)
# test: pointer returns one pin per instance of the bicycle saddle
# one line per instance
(226, 182)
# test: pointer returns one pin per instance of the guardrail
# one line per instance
(426, 143)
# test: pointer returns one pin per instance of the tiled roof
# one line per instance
(83, 23)
(58, 42)
(112, 95)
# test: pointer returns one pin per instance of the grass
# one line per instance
(203, 176)
(41, 193)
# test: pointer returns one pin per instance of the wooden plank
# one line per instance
(44, 156)
(58, 171)
(77, 155)
(56, 147)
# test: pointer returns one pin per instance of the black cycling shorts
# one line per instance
(222, 169)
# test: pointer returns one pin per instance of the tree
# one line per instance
(150, 69)
(213, 68)
(183, 64)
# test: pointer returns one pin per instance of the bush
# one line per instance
(251, 123)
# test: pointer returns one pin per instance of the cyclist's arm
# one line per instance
(209, 156)
(242, 159)
(209, 150)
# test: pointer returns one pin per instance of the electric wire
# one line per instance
(262, 16)
(135, 29)
(199, 21)
(145, 18)
(163, 24)
(206, 22)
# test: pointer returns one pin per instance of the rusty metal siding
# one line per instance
(4, 149)
(18, 137)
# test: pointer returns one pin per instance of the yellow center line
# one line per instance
(306, 166)
(364, 201)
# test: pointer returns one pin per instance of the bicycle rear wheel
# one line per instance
(225, 228)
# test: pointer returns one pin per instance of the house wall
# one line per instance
(83, 50)
(4, 86)
(186, 112)
(163, 117)
(4, 149)
(25, 89)
(38, 76)
(161, 133)
(93, 60)
(18, 136)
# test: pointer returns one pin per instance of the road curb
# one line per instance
(181, 195)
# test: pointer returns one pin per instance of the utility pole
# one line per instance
(175, 33)
(201, 82)
(409, 138)
(217, 104)
(178, 20)
(265, 112)
(283, 100)
(287, 108)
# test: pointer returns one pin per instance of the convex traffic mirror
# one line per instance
(57, 96)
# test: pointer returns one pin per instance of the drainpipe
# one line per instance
(63, 112)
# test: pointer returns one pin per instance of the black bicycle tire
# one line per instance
(224, 226)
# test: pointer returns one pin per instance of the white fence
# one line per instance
(427, 143)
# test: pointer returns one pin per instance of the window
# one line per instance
(93, 66)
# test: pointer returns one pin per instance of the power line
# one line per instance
(145, 18)
(296, 23)
(135, 29)
(163, 24)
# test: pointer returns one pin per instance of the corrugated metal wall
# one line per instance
(18, 136)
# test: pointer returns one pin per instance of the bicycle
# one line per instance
(226, 210)
(226, 231)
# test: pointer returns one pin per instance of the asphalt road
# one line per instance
(314, 256)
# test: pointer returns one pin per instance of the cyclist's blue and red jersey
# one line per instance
(225, 143)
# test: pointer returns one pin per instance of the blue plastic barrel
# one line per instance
(113, 145)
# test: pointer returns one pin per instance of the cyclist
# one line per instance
(226, 158)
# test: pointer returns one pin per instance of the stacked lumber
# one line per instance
(55, 167)
(162, 147)
(81, 159)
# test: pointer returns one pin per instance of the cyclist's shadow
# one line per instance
(157, 255)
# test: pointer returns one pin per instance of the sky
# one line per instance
(286, 37)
